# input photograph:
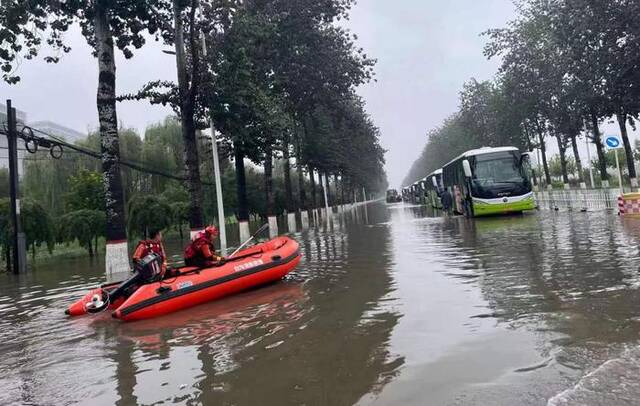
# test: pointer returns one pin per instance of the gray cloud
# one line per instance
(426, 49)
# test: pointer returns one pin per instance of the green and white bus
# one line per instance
(415, 192)
(422, 190)
(489, 181)
(434, 188)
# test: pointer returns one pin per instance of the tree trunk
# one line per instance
(268, 182)
(109, 141)
(562, 148)
(241, 184)
(33, 251)
(7, 257)
(187, 101)
(543, 152)
(622, 122)
(530, 149)
(576, 155)
(90, 248)
(302, 191)
(288, 190)
(597, 140)
(312, 178)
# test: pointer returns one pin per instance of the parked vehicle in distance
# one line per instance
(434, 189)
(416, 191)
(489, 181)
(406, 193)
(393, 196)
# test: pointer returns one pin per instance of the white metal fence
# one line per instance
(578, 199)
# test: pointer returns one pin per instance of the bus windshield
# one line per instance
(502, 167)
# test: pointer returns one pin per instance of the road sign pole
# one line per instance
(613, 142)
(619, 173)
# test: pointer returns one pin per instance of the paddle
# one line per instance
(99, 305)
(261, 229)
(231, 257)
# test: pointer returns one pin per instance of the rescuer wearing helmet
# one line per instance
(149, 264)
(151, 246)
(201, 252)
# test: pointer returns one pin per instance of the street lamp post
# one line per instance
(216, 171)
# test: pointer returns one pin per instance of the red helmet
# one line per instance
(211, 231)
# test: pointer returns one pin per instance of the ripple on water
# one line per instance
(615, 382)
(345, 320)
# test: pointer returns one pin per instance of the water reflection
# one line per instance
(565, 269)
(319, 337)
(390, 306)
(570, 278)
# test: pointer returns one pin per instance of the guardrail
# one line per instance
(578, 199)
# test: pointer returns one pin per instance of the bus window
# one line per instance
(497, 168)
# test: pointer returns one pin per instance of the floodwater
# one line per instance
(392, 306)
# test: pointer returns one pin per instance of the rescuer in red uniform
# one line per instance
(201, 252)
(149, 264)
(151, 246)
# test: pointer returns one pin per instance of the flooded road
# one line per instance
(390, 307)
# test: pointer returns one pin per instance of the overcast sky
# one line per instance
(426, 50)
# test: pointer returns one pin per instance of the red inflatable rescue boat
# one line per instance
(259, 265)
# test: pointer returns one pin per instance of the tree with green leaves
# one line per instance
(4, 182)
(148, 212)
(443, 144)
(105, 25)
(601, 44)
(315, 62)
(85, 191)
(37, 226)
(85, 226)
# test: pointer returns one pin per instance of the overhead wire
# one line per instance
(94, 154)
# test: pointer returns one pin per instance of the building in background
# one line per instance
(70, 135)
(49, 127)
(21, 117)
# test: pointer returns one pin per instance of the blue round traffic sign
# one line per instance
(612, 142)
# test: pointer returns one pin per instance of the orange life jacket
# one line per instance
(146, 247)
